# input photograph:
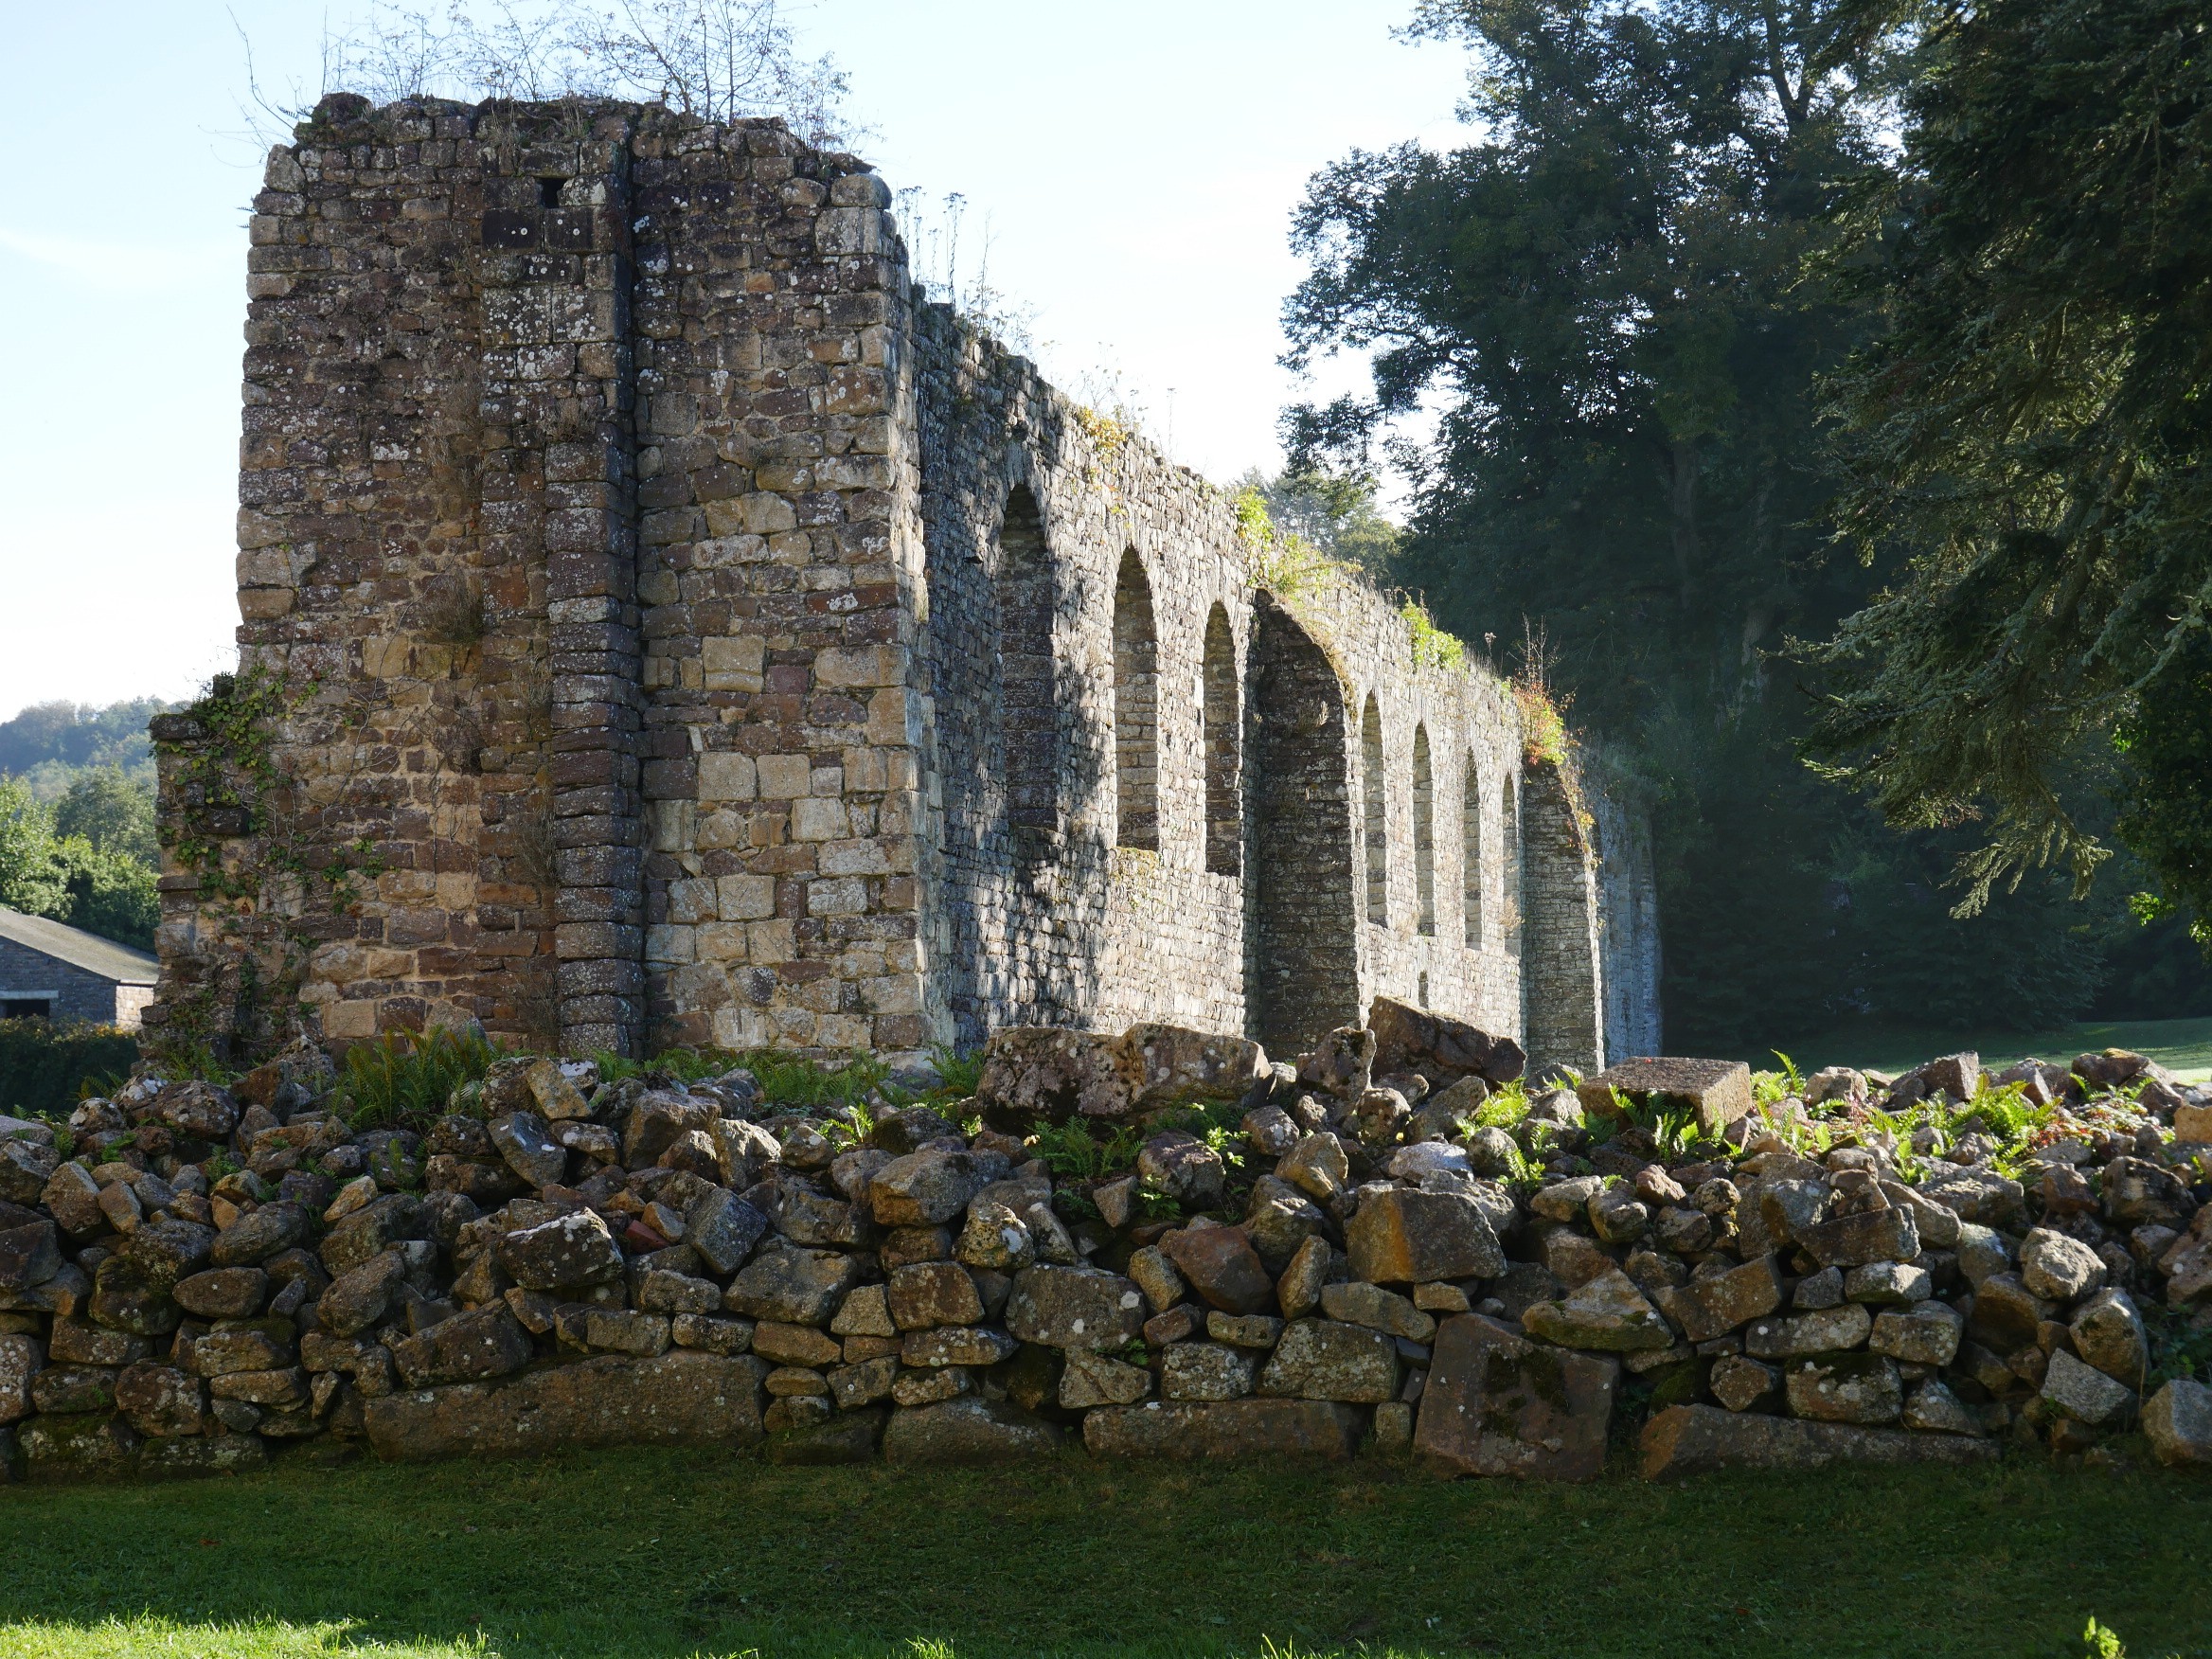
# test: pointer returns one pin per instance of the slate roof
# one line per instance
(78, 949)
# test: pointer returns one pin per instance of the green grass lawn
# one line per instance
(2183, 1045)
(669, 1554)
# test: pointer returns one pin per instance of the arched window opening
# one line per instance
(1424, 834)
(1028, 712)
(1136, 707)
(1510, 869)
(1224, 820)
(1371, 802)
(1470, 855)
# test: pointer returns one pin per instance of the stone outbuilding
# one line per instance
(50, 970)
(664, 625)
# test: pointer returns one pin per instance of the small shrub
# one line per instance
(1072, 1149)
(403, 1080)
(43, 1067)
(811, 1085)
(958, 1075)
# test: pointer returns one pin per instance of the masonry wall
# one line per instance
(669, 630)
(78, 994)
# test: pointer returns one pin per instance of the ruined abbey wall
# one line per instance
(664, 628)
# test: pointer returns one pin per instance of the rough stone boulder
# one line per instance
(793, 1285)
(1698, 1439)
(683, 1398)
(1497, 1404)
(2178, 1423)
(1438, 1047)
(1035, 1074)
(1170, 1065)
(202, 1110)
(932, 1186)
(1319, 1359)
(1710, 1307)
(1404, 1235)
(1226, 1429)
(1074, 1308)
(1222, 1266)
(1609, 1314)
(569, 1251)
(1719, 1091)
(966, 1431)
(465, 1349)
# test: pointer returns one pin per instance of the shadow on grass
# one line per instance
(665, 1555)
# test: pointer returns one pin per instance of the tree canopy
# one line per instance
(1622, 303)
(2032, 432)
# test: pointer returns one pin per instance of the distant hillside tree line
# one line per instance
(77, 841)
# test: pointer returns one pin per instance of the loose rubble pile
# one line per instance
(1158, 1243)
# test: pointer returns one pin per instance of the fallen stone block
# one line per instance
(683, 1398)
(1719, 1091)
(1698, 1439)
(1497, 1404)
(1226, 1429)
(966, 1431)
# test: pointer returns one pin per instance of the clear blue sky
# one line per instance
(1138, 165)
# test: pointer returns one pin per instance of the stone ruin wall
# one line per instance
(682, 635)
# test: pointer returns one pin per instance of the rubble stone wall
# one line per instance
(662, 628)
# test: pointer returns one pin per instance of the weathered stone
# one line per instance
(569, 1252)
(1074, 1308)
(1156, 1277)
(744, 1151)
(1225, 1430)
(931, 1186)
(2059, 1268)
(966, 1431)
(1090, 1380)
(29, 1256)
(1497, 1404)
(1709, 1307)
(1169, 1065)
(370, 1231)
(526, 1141)
(705, 1330)
(126, 1296)
(73, 1196)
(1043, 1073)
(260, 1346)
(224, 1293)
(932, 1293)
(1938, 1223)
(1978, 1195)
(2084, 1393)
(79, 1448)
(1298, 1292)
(1438, 1047)
(1401, 1236)
(1867, 1235)
(466, 1349)
(724, 1229)
(1378, 1309)
(996, 1238)
(2108, 1334)
(1699, 1439)
(849, 1436)
(1719, 1091)
(2007, 1316)
(20, 1359)
(165, 1250)
(867, 1312)
(792, 1284)
(2178, 1423)
(1247, 1330)
(1926, 1333)
(2139, 1194)
(1740, 1384)
(281, 1386)
(658, 1120)
(1342, 1064)
(357, 1301)
(1845, 1388)
(202, 1111)
(200, 1455)
(1617, 1216)
(685, 1398)
(1279, 1218)
(255, 1238)
(1319, 1359)
(161, 1401)
(1317, 1165)
(1828, 1330)
(1888, 1284)
(1933, 1408)
(1222, 1266)
(932, 1385)
(663, 1292)
(1205, 1370)
(1609, 1314)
